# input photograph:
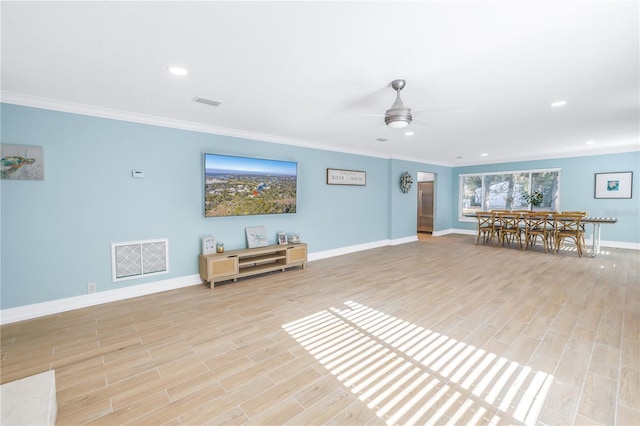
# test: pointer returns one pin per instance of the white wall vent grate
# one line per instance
(136, 259)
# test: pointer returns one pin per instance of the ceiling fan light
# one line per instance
(398, 123)
(398, 117)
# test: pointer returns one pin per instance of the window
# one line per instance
(506, 191)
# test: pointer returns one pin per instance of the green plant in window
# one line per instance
(535, 198)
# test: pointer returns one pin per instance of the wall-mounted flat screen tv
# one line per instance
(240, 186)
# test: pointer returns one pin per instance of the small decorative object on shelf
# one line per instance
(208, 245)
(406, 180)
(220, 247)
(294, 238)
(282, 238)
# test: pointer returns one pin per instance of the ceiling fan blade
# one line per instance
(367, 100)
(368, 115)
(441, 109)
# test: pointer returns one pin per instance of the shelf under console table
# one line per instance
(234, 264)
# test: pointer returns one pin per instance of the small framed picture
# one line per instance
(613, 185)
(282, 238)
(256, 236)
(346, 177)
(208, 245)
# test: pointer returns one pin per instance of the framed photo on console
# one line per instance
(613, 185)
(282, 238)
(256, 236)
(209, 245)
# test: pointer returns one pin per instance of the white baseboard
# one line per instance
(404, 240)
(453, 231)
(360, 247)
(36, 310)
(27, 312)
(22, 313)
(589, 240)
(346, 250)
(615, 244)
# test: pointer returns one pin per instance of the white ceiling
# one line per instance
(480, 74)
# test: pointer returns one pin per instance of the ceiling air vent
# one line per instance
(206, 101)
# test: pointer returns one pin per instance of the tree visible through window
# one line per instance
(506, 191)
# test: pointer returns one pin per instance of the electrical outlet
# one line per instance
(91, 288)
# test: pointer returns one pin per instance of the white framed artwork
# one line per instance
(256, 236)
(209, 245)
(613, 185)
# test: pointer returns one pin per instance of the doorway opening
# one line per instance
(426, 201)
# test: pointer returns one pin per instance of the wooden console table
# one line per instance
(235, 264)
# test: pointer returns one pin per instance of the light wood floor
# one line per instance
(431, 332)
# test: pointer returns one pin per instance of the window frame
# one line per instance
(462, 218)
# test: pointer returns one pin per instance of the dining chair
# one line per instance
(568, 226)
(538, 225)
(584, 214)
(486, 226)
(510, 227)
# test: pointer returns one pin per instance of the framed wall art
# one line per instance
(242, 186)
(613, 185)
(346, 177)
(256, 236)
(21, 162)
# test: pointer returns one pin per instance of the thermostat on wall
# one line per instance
(137, 174)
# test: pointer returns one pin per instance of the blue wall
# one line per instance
(57, 233)
(403, 206)
(577, 178)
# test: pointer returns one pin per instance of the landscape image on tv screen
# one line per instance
(240, 186)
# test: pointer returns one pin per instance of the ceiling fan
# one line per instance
(398, 116)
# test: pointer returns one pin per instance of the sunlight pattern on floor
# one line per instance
(411, 375)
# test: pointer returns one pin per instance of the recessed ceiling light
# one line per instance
(590, 142)
(558, 104)
(382, 140)
(484, 154)
(177, 71)
(409, 133)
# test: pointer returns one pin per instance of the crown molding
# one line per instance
(114, 114)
